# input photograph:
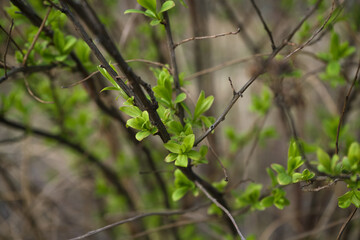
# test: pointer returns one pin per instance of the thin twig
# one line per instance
(173, 61)
(36, 37)
(344, 109)
(221, 207)
(12, 40)
(7, 46)
(27, 69)
(342, 229)
(315, 33)
(82, 80)
(32, 93)
(206, 37)
(223, 65)
(140, 216)
(232, 86)
(321, 187)
(273, 46)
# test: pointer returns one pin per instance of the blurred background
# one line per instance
(68, 164)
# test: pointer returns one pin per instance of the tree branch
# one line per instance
(205, 37)
(273, 46)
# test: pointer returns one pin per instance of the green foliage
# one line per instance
(261, 103)
(151, 10)
(288, 176)
(182, 185)
(337, 51)
(250, 197)
(202, 105)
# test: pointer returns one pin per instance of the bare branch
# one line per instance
(7, 46)
(32, 93)
(221, 207)
(205, 37)
(344, 109)
(27, 69)
(342, 229)
(273, 46)
(140, 216)
(36, 37)
(223, 65)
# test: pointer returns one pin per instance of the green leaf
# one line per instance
(70, 44)
(345, 200)
(179, 98)
(271, 174)
(173, 147)
(181, 160)
(107, 76)
(203, 104)
(148, 4)
(132, 111)
(134, 11)
(267, 201)
(194, 155)
(188, 142)
(333, 68)
(155, 22)
(167, 6)
(141, 135)
(278, 168)
(109, 88)
(334, 45)
(59, 40)
(179, 193)
(324, 159)
(284, 178)
(171, 157)
(354, 153)
(136, 123)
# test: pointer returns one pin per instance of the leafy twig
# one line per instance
(315, 33)
(344, 109)
(174, 66)
(273, 46)
(205, 37)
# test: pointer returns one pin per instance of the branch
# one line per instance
(7, 45)
(238, 94)
(205, 37)
(344, 109)
(37, 35)
(342, 229)
(11, 39)
(221, 207)
(315, 33)
(27, 69)
(273, 46)
(134, 80)
(140, 216)
(173, 64)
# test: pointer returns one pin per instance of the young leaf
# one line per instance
(148, 4)
(179, 98)
(173, 147)
(203, 104)
(188, 142)
(181, 160)
(134, 11)
(179, 193)
(132, 111)
(171, 157)
(167, 6)
(141, 135)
